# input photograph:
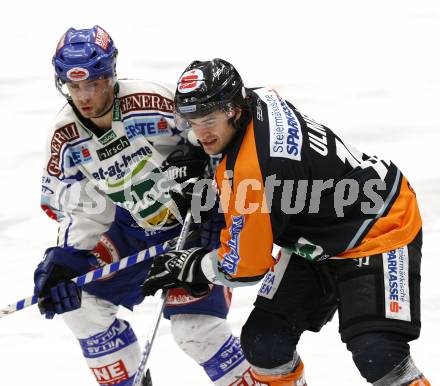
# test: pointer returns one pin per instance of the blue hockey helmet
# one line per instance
(84, 54)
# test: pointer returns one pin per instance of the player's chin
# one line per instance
(211, 147)
(87, 113)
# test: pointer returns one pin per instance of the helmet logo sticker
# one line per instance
(77, 74)
(190, 81)
(102, 38)
(187, 109)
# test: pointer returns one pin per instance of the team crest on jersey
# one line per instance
(190, 81)
(77, 73)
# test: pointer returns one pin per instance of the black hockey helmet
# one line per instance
(208, 86)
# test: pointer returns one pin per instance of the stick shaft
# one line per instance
(92, 276)
(159, 310)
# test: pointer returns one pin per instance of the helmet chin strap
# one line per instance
(106, 111)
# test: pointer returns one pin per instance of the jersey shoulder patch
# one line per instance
(140, 95)
(284, 126)
(60, 137)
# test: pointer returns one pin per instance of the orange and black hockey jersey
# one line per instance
(290, 181)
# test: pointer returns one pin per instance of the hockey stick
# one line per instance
(93, 275)
(160, 307)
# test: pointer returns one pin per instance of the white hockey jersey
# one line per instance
(87, 175)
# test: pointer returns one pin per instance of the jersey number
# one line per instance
(355, 158)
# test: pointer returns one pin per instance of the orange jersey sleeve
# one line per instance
(397, 228)
(247, 241)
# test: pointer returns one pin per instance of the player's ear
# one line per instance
(237, 113)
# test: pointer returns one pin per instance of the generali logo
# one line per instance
(60, 137)
(146, 101)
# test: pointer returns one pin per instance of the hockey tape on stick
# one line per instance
(93, 275)
(160, 307)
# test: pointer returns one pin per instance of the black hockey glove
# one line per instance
(183, 169)
(178, 269)
(52, 280)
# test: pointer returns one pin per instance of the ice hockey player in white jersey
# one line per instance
(105, 181)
